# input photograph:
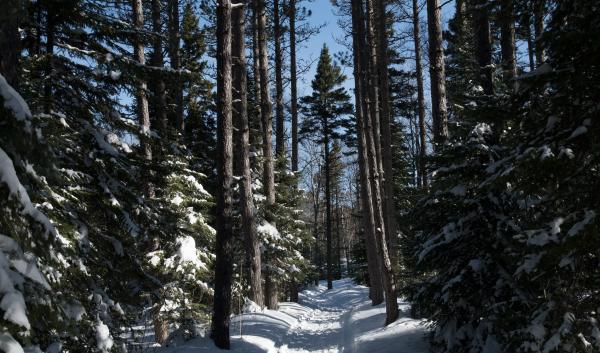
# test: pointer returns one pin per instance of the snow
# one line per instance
(103, 338)
(579, 226)
(8, 343)
(268, 231)
(578, 131)
(14, 308)
(8, 176)
(338, 320)
(186, 254)
(13, 101)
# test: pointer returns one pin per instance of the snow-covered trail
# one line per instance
(340, 320)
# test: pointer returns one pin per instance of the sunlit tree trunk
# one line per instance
(141, 98)
(279, 114)
(175, 58)
(293, 85)
(362, 112)
(240, 118)
(271, 292)
(437, 74)
(420, 94)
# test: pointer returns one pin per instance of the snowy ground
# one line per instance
(339, 320)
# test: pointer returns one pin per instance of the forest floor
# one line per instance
(337, 320)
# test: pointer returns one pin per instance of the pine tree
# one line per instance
(325, 113)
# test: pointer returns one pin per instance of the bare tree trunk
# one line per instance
(271, 291)
(224, 241)
(256, 67)
(266, 110)
(316, 209)
(160, 104)
(48, 99)
(385, 128)
(279, 116)
(378, 183)
(328, 204)
(530, 51)
(437, 74)
(294, 85)
(240, 117)
(507, 41)
(420, 94)
(362, 111)
(10, 46)
(266, 107)
(141, 98)
(174, 56)
(538, 18)
(483, 45)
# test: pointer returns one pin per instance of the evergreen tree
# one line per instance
(325, 116)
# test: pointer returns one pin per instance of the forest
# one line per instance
(409, 176)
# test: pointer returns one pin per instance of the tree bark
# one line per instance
(50, 25)
(420, 94)
(271, 291)
(538, 18)
(266, 107)
(143, 112)
(437, 74)
(224, 241)
(483, 45)
(294, 85)
(159, 88)
(507, 42)
(378, 183)
(240, 117)
(266, 110)
(362, 111)
(256, 68)
(10, 46)
(279, 115)
(175, 58)
(530, 50)
(328, 204)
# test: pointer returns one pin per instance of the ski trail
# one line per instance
(340, 320)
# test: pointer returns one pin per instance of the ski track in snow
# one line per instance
(341, 320)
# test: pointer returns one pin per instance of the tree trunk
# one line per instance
(266, 110)
(256, 69)
(483, 45)
(48, 99)
(385, 128)
(224, 241)
(316, 209)
(362, 112)
(437, 74)
(530, 50)
(159, 88)
(240, 117)
(538, 18)
(328, 205)
(271, 291)
(10, 46)
(143, 112)
(294, 85)
(175, 58)
(279, 123)
(507, 42)
(266, 107)
(377, 183)
(420, 94)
